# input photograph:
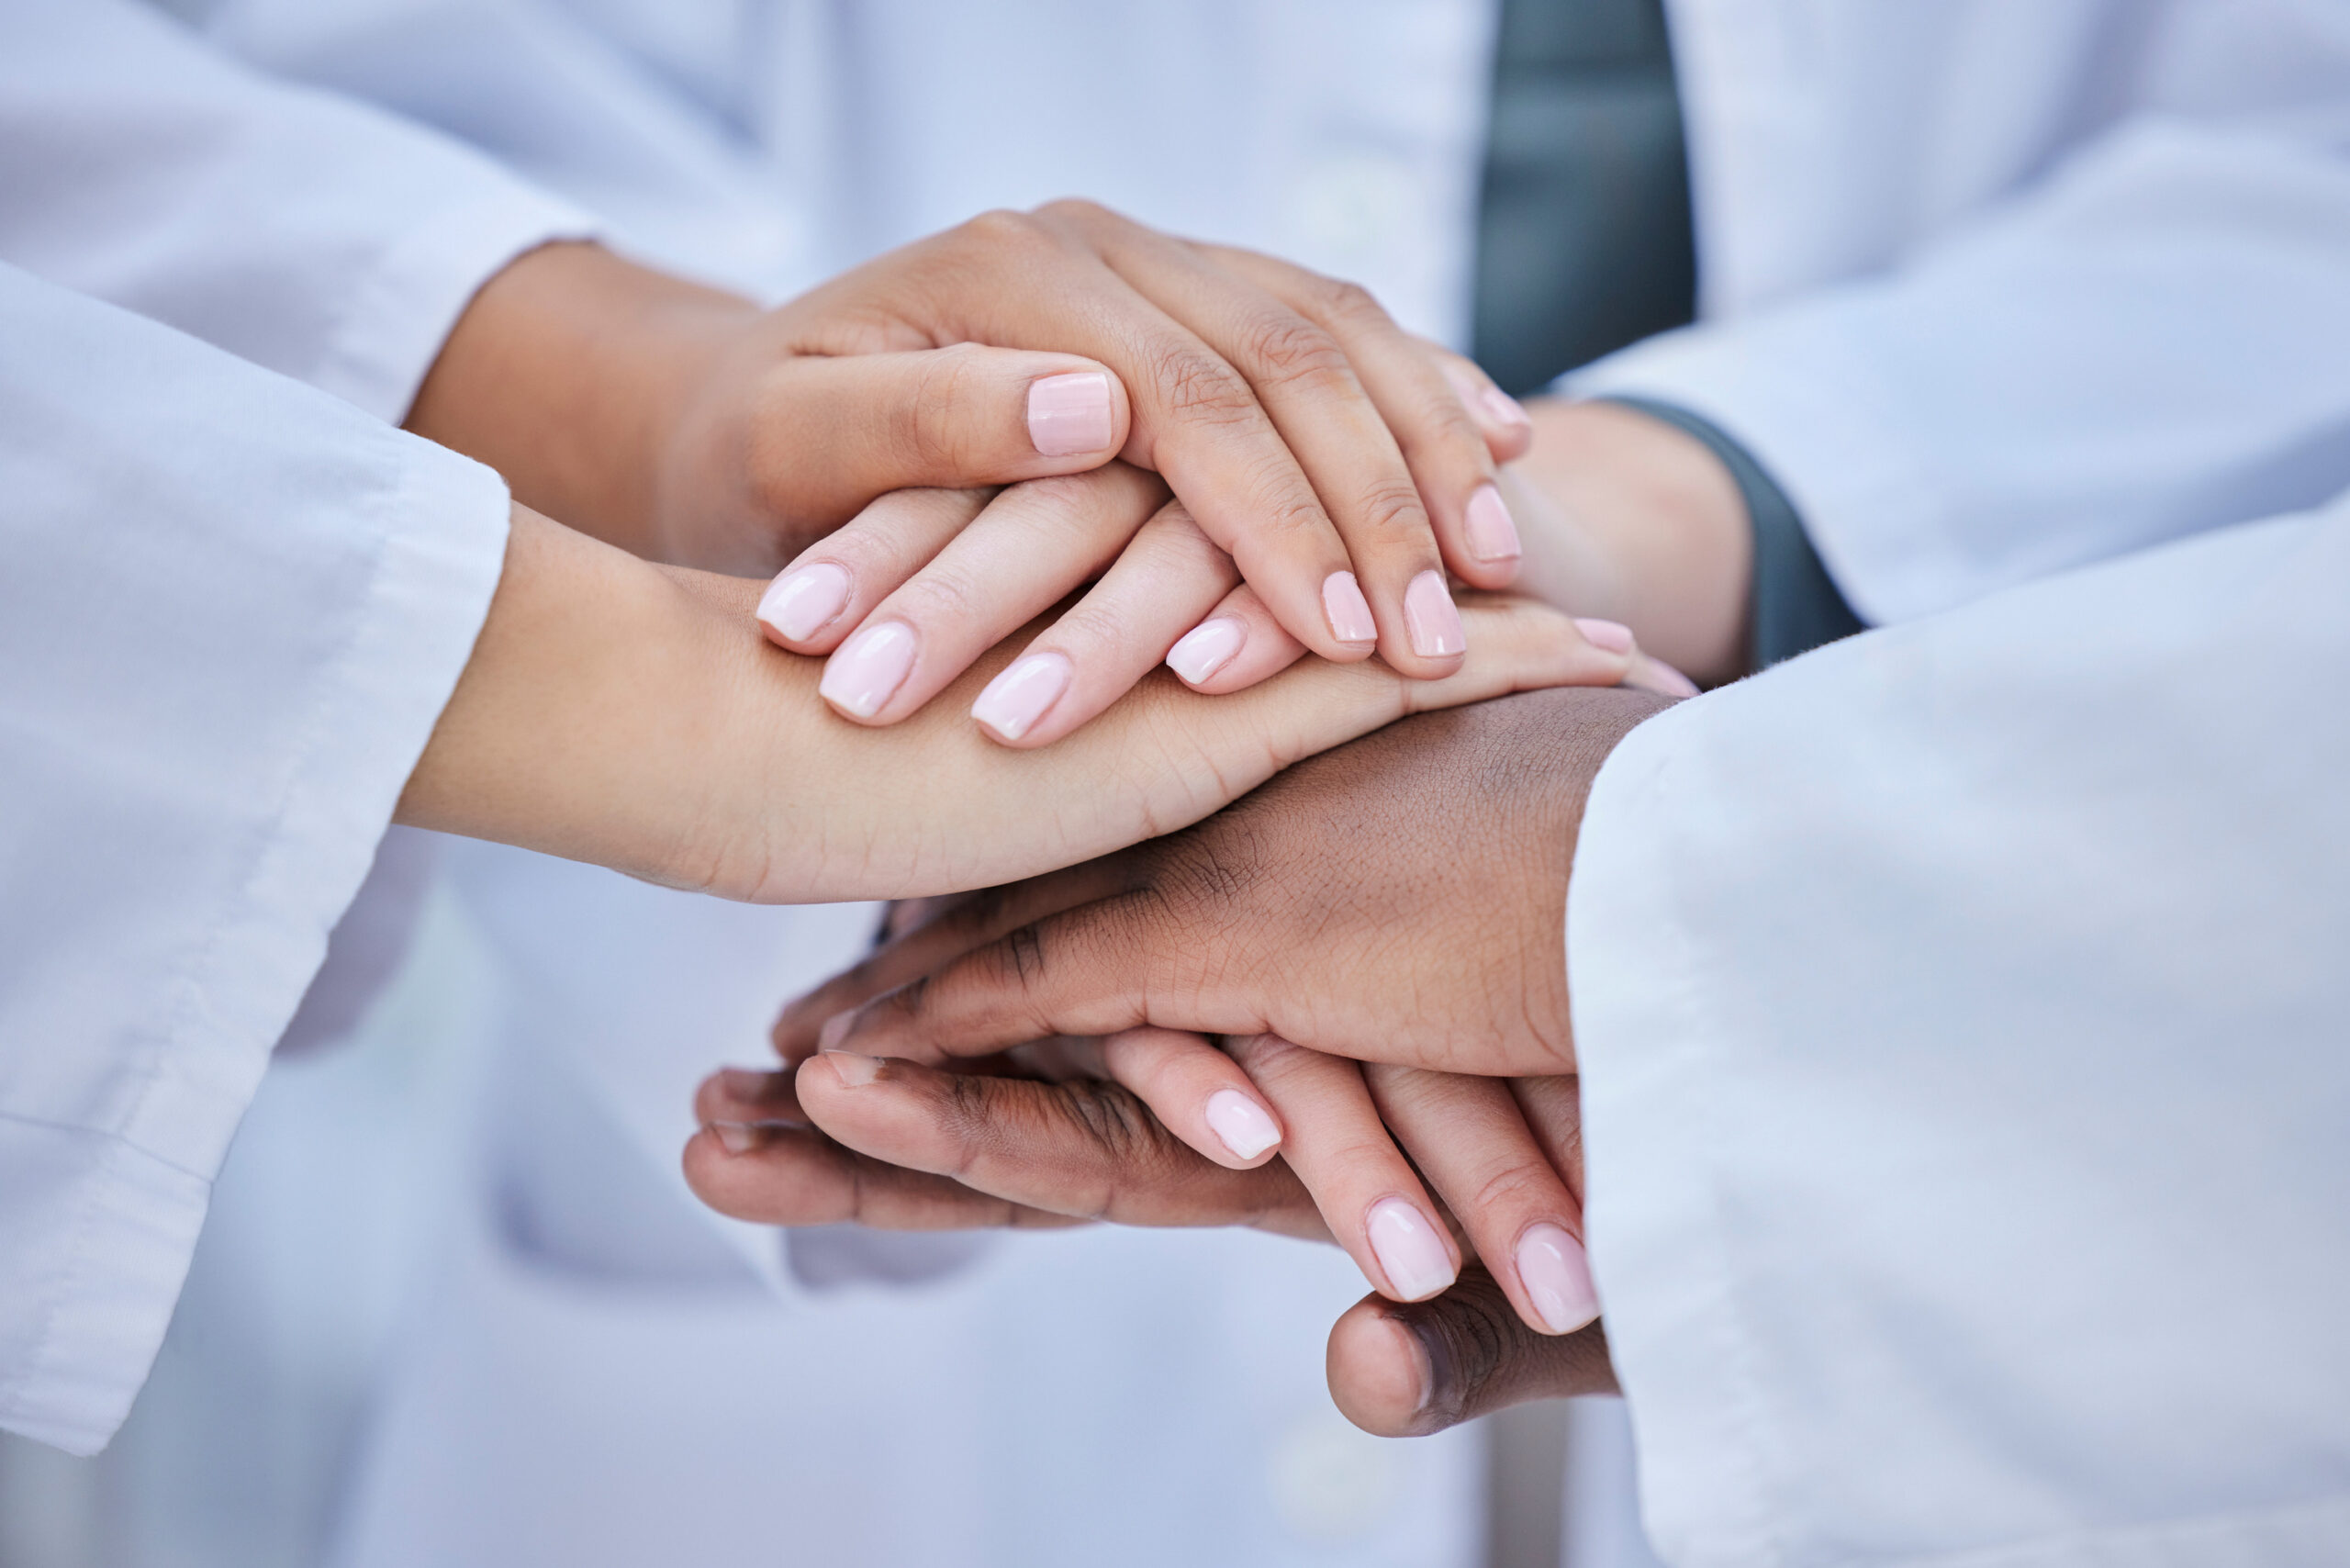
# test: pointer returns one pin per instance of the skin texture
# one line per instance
(632, 715)
(1403, 901)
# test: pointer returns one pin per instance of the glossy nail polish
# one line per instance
(1503, 408)
(804, 601)
(1409, 1250)
(1349, 613)
(1207, 648)
(866, 671)
(1240, 1123)
(1431, 619)
(854, 1071)
(1488, 529)
(1663, 678)
(1015, 700)
(1556, 1272)
(1613, 635)
(1069, 414)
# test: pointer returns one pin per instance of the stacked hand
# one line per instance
(1399, 902)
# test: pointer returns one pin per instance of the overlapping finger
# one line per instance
(1406, 1370)
(1087, 1149)
(1471, 1141)
(1236, 646)
(1369, 1194)
(1121, 629)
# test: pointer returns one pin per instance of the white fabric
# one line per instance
(1961, 1015)
(1995, 287)
(233, 609)
(321, 239)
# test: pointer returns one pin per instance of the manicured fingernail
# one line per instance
(741, 1137)
(1409, 1250)
(1556, 1272)
(1503, 408)
(804, 601)
(1015, 700)
(1240, 1123)
(834, 1031)
(1668, 680)
(1207, 648)
(1069, 414)
(865, 671)
(1431, 619)
(1487, 528)
(1348, 611)
(854, 1071)
(1612, 635)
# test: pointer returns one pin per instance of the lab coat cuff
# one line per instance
(442, 549)
(403, 312)
(1816, 421)
(1651, 1110)
(106, 1248)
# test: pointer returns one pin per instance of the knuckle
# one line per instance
(999, 229)
(1335, 299)
(1388, 507)
(1074, 211)
(1197, 387)
(1292, 353)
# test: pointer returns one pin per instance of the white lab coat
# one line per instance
(233, 609)
(1961, 1014)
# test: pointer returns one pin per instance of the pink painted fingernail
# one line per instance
(1613, 635)
(741, 1137)
(1664, 679)
(1240, 1123)
(1409, 1249)
(1348, 611)
(1556, 1272)
(1503, 408)
(854, 1071)
(1431, 619)
(1207, 648)
(867, 669)
(804, 601)
(1489, 530)
(1069, 414)
(1015, 700)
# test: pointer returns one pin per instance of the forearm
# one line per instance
(1626, 516)
(568, 374)
(600, 699)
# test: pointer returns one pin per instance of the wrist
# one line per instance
(1627, 517)
(572, 373)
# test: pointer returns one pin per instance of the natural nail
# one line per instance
(1487, 528)
(1503, 408)
(1348, 611)
(867, 669)
(1240, 1123)
(1069, 414)
(1432, 618)
(1207, 648)
(1556, 1272)
(1612, 636)
(834, 1031)
(1409, 1250)
(1015, 700)
(854, 1071)
(804, 601)
(741, 1137)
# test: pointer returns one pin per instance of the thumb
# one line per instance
(1402, 1369)
(832, 432)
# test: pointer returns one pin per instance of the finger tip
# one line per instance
(1378, 1371)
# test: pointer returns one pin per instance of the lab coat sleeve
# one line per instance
(232, 610)
(320, 238)
(2143, 345)
(1961, 1015)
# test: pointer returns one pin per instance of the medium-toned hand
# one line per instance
(1402, 901)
